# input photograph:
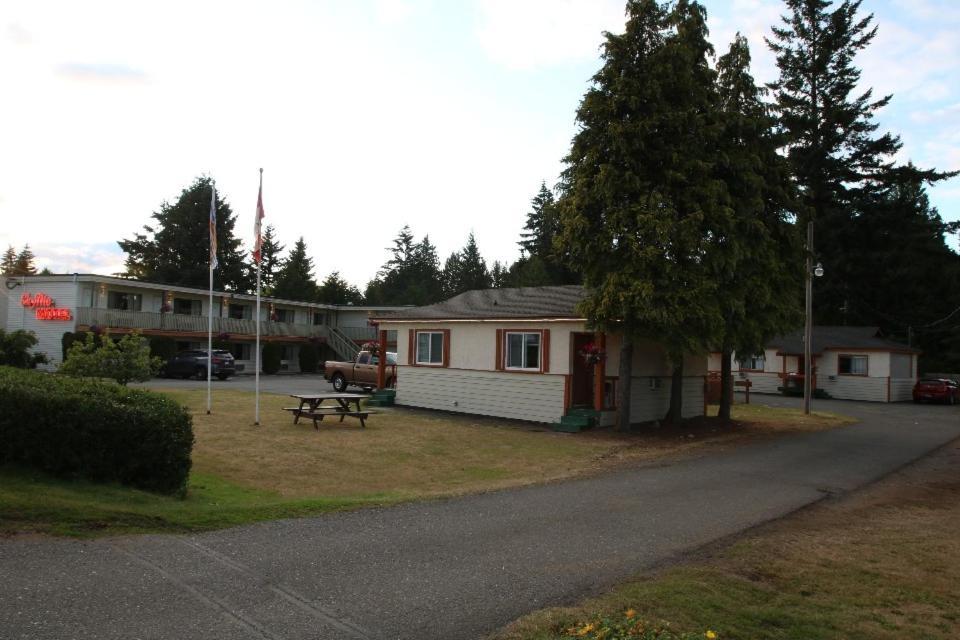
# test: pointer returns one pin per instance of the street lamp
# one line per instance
(811, 271)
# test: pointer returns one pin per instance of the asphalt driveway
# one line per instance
(446, 569)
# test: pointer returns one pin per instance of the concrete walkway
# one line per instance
(447, 569)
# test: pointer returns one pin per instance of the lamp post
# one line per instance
(811, 271)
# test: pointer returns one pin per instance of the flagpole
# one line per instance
(256, 419)
(213, 201)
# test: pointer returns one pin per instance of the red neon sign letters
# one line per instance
(45, 307)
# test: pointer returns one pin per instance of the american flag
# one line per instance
(258, 238)
(213, 226)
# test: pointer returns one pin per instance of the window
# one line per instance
(429, 347)
(753, 363)
(240, 350)
(283, 315)
(523, 351)
(124, 301)
(319, 318)
(852, 365)
(240, 311)
(364, 358)
(186, 307)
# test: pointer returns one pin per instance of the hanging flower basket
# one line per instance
(373, 347)
(592, 354)
(165, 308)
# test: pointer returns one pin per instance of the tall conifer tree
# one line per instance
(295, 279)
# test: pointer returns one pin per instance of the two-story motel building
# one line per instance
(51, 305)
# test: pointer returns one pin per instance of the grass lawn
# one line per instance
(882, 564)
(243, 473)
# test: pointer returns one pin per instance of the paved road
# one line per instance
(446, 569)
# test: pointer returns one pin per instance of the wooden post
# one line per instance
(599, 373)
(382, 361)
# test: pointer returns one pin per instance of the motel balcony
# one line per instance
(152, 322)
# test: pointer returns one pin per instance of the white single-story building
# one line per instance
(52, 305)
(522, 354)
(848, 363)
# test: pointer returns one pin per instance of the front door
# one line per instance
(581, 392)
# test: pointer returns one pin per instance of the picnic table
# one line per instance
(312, 406)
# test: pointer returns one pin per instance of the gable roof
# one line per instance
(827, 337)
(553, 303)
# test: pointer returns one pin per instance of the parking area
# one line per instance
(281, 383)
(907, 412)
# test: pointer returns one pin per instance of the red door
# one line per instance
(582, 373)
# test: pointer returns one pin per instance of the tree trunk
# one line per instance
(726, 385)
(676, 393)
(623, 384)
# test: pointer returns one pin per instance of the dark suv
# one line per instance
(188, 364)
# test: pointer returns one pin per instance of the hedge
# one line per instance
(271, 358)
(94, 430)
(309, 358)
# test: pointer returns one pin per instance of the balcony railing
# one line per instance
(119, 319)
(359, 333)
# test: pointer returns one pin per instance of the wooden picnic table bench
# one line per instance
(311, 406)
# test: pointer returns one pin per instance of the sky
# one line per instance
(365, 115)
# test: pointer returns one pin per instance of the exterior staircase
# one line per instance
(345, 348)
(577, 419)
(382, 398)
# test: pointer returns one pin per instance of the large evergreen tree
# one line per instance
(24, 265)
(336, 290)
(8, 264)
(466, 270)
(640, 199)
(756, 258)
(295, 279)
(410, 276)
(839, 161)
(176, 249)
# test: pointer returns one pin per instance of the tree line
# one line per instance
(682, 203)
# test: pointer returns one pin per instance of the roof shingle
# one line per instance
(523, 302)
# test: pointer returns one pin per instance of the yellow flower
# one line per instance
(710, 635)
(630, 613)
(586, 629)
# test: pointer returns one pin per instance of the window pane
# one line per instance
(436, 348)
(858, 365)
(515, 350)
(532, 351)
(423, 347)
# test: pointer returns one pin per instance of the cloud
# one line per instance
(948, 115)
(101, 72)
(392, 12)
(100, 257)
(17, 34)
(542, 33)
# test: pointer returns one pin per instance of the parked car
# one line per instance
(362, 372)
(187, 364)
(936, 390)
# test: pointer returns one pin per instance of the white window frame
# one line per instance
(523, 352)
(749, 362)
(428, 362)
(854, 357)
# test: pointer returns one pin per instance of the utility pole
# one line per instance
(808, 324)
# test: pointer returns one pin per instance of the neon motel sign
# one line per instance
(45, 308)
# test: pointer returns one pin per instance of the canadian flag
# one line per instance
(258, 237)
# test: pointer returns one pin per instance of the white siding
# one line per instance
(854, 387)
(761, 382)
(648, 404)
(901, 366)
(901, 390)
(49, 332)
(534, 397)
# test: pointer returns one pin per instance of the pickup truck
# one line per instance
(361, 373)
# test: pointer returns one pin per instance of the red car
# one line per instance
(936, 389)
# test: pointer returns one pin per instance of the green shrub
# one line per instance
(125, 360)
(15, 349)
(95, 430)
(309, 358)
(270, 360)
(162, 347)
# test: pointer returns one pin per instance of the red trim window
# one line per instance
(523, 350)
(432, 348)
(753, 363)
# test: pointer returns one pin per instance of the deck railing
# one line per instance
(119, 319)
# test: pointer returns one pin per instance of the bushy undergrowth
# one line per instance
(628, 627)
(95, 430)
